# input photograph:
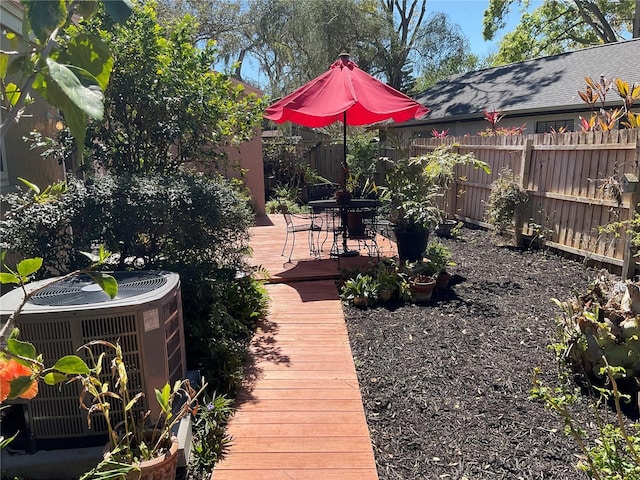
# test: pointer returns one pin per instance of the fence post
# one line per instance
(525, 162)
(525, 168)
(629, 261)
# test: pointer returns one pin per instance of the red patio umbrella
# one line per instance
(346, 94)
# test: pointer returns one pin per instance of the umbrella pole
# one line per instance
(345, 167)
(345, 175)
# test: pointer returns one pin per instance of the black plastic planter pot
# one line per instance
(411, 244)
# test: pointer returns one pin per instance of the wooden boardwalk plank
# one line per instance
(308, 444)
(284, 430)
(300, 414)
(288, 405)
(290, 474)
(306, 460)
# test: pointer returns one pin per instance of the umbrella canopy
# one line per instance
(347, 94)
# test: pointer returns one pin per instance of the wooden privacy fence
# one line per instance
(569, 179)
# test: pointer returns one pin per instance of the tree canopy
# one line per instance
(294, 41)
(164, 105)
(557, 26)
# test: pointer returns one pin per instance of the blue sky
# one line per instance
(468, 14)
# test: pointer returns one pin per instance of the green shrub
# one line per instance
(210, 441)
(173, 221)
(439, 256)
(600, 328)
(598, 347)
(610, 447)
(184, 222)
(220, 314)
(506, 200)
(165, 106)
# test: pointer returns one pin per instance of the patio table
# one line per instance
(339, 227)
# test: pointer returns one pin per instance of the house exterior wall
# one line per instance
(18, 159)
(248, 166)
(471, 127)
(246, 162)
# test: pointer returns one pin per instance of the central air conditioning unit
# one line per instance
(145, 317)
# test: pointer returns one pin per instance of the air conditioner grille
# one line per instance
(108, 327)
(82, 290)
(52, 339)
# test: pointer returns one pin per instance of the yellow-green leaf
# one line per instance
(32, 186)
(29, 266)
(13, 93)
(8, 278)
(108, 284)
(4, 61)
(72, 365)
(133, 401)
(54, 378)
(622, 87)
(163, 396)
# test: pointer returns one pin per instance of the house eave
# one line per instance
(12, 15)
(513, 114)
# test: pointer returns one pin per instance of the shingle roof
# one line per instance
(537, 85)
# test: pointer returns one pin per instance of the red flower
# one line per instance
(11, 370)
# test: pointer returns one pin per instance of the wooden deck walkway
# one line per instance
(300, 414)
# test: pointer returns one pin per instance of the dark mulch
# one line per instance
(446, 385)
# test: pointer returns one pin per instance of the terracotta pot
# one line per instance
(159, 468)
(422, 289)
(360, 301)
(385, 294)
(442, 280)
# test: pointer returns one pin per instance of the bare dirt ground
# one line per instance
(446, 385)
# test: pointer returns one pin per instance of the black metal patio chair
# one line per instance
(297, 222)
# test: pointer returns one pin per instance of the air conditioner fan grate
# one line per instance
(82, 290)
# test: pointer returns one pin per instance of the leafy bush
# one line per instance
(505, 201)
(210, 440)
(371, 282)
(361, 290)
(286, 166)
(176, 221)
(439, 256)
(220, 313)
(610, 447)
(598, 346)
(185, 222)
(599, 329)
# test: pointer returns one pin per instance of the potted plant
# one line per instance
(438, 258)
(421, 280)
(360, 291)
(411, 199)
(440, 169)
(138, 446)
(391, 282)
(358, 189)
